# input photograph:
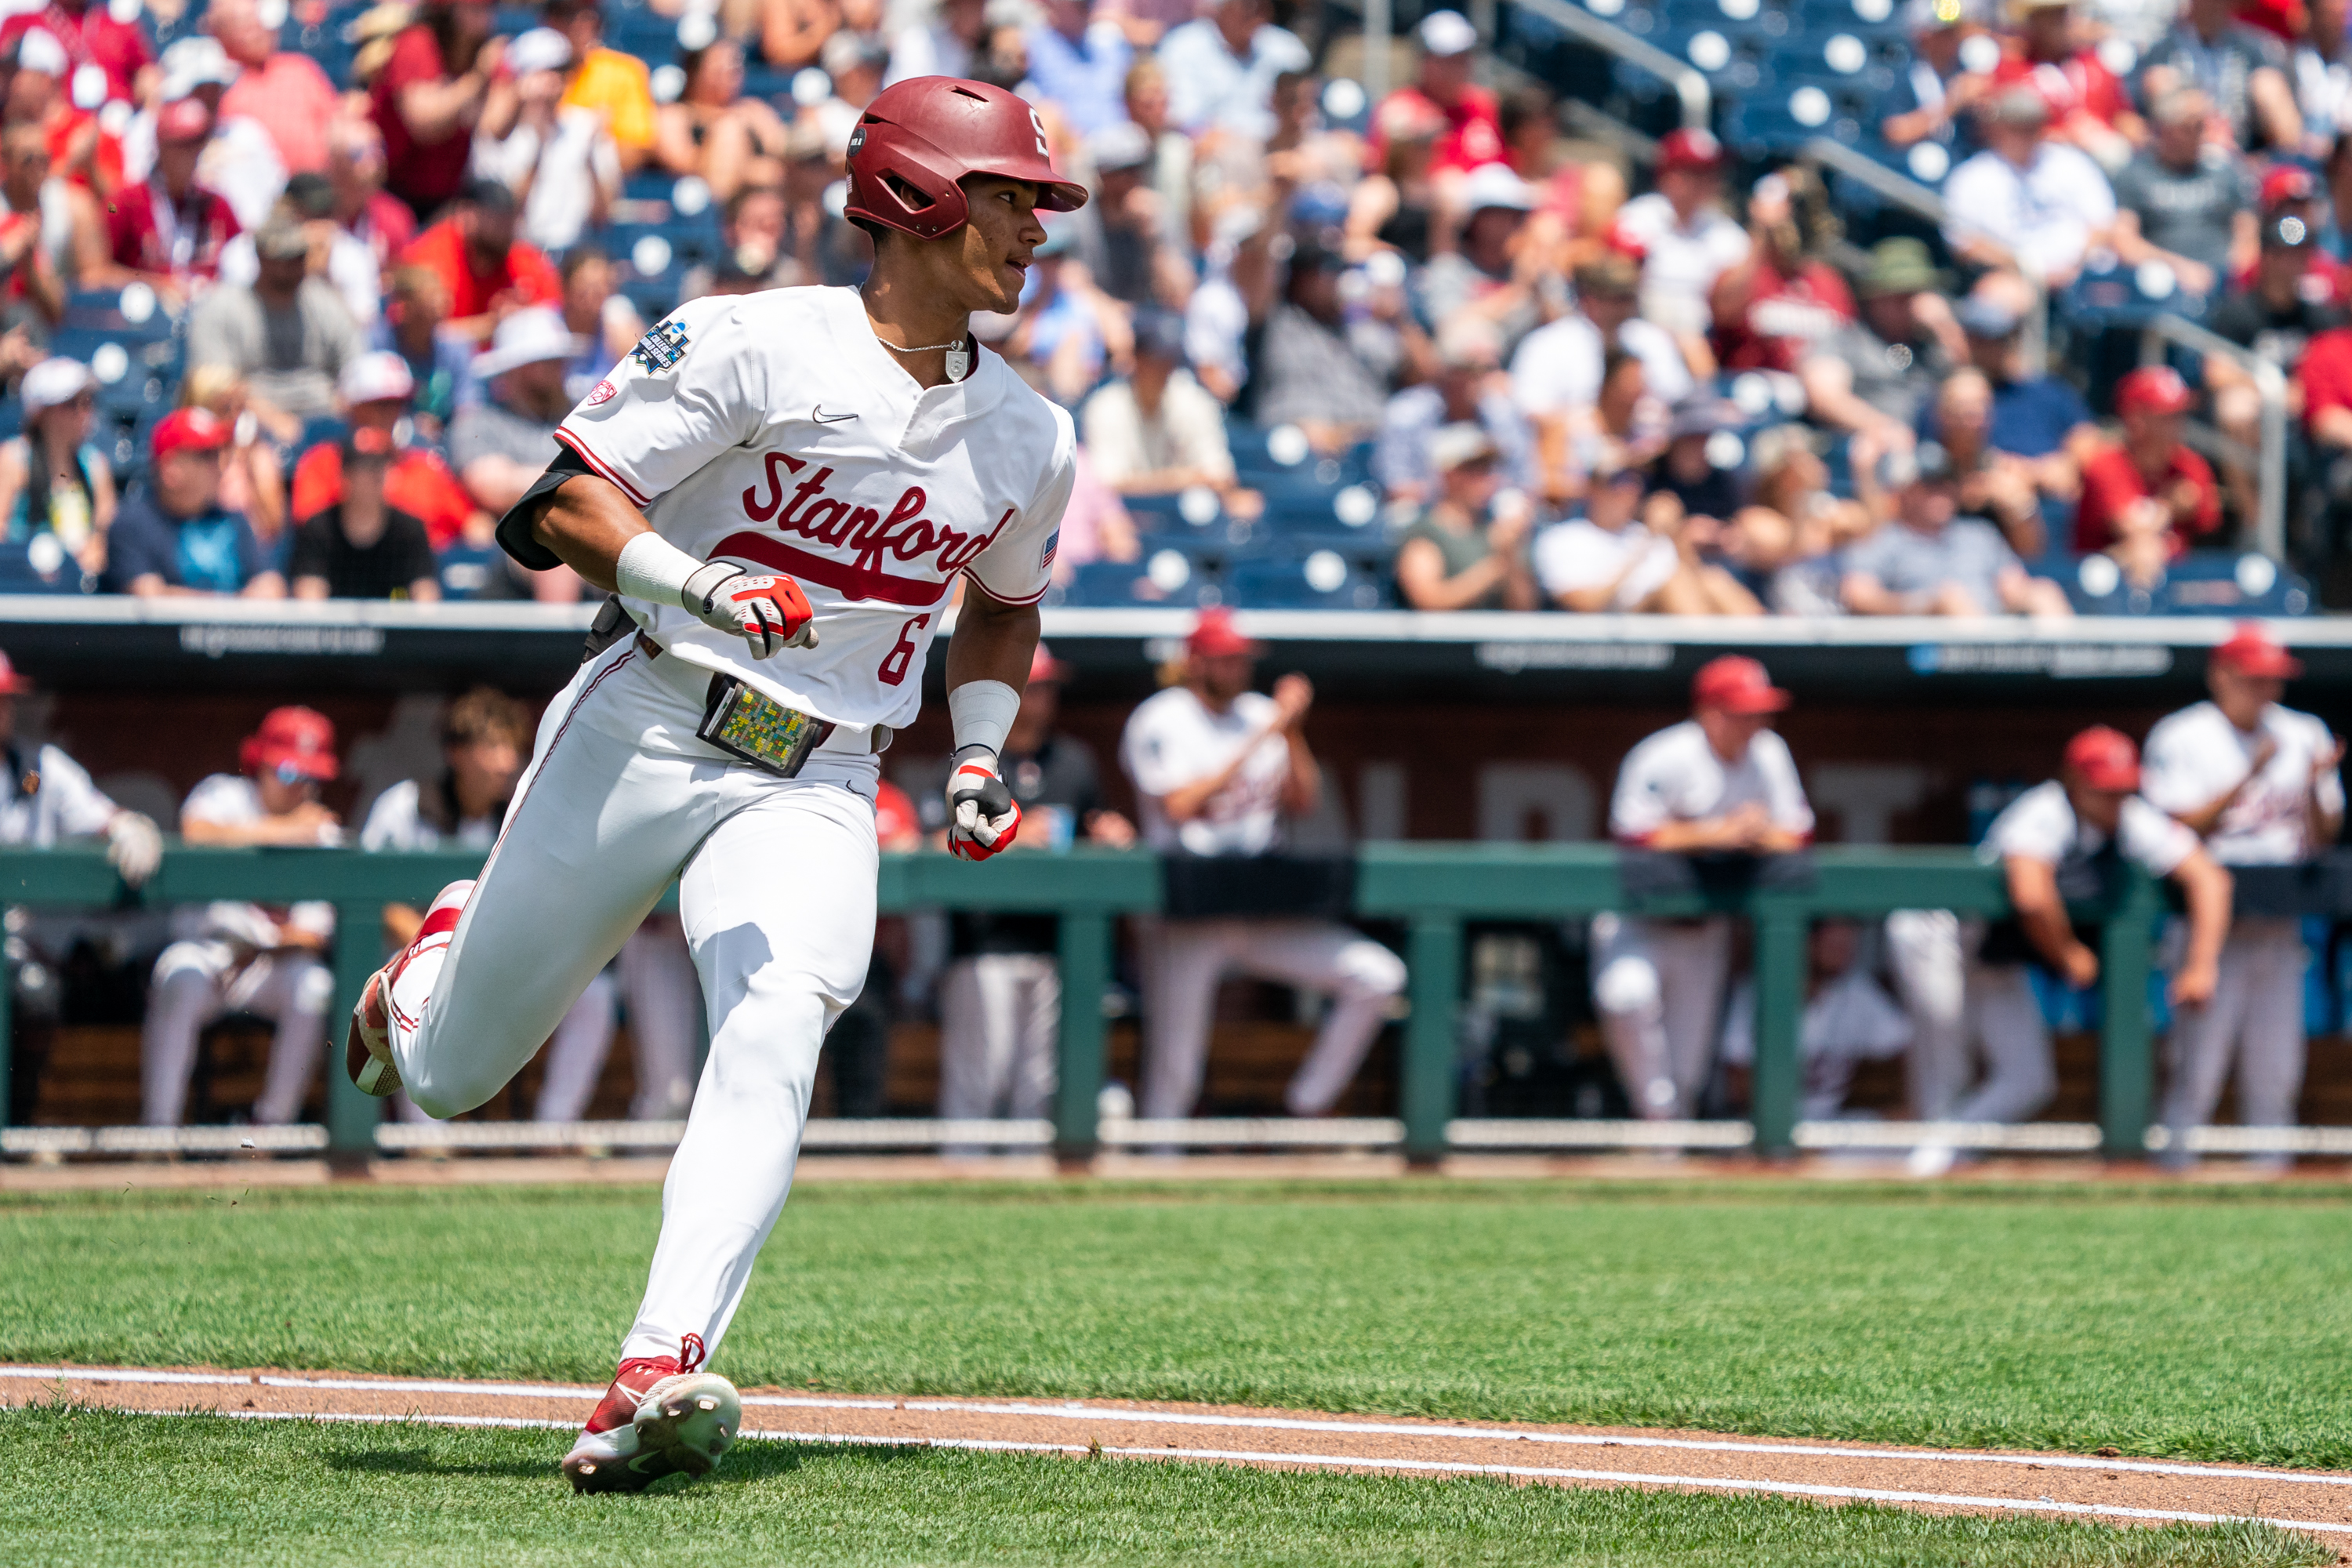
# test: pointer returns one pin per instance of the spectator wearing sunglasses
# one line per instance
(174, 536)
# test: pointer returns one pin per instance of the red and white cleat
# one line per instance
(367, 1048)
(655, 1420)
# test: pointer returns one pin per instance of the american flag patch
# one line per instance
(1053, 543)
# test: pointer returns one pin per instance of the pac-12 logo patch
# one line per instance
(661, 348)
(604, 392)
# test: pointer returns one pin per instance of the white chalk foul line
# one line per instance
(1187, 1418)
(1346, 1462)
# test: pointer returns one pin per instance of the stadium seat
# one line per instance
(2202, 583)
(1321, 580)
(38, 565)
(1160, 577)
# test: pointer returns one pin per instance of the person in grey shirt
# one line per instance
(1318, 370)
(1927, 562)
(288, 335)
(1872, 376)
(1469, 388)
(501, 446)
(2186, 201)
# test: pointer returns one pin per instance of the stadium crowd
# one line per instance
(280, 322)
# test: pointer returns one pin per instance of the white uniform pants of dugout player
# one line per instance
(1658, 986)
(1000, 1021)
(776, 893)
(2255, 1018)
(1959, 1007)
(656, 978)
(198, 982)
(1183, 960)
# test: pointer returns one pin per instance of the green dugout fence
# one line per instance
(1432, 889)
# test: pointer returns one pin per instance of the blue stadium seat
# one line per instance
(471, 573)
(1151, 580)
(19, 575)
(2202, 583)
(1321, 580)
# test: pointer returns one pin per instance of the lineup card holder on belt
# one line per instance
(750, 725)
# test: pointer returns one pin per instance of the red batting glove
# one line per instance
(982, 815)
(768, 613)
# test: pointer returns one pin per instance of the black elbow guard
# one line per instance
(516, 530)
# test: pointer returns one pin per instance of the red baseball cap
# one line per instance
(1690, 148)
(11, 683)
(301, 739)
(2103, 758)
(186, 120)
(2153, 389)
(894, 814)
(2288, 182)
(187, 430)
(2249, 651)
(1625, 242)
(1215, 636)
(1736, 684)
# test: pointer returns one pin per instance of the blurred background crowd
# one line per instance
(295, 297)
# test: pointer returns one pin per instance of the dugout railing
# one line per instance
(1433, 890)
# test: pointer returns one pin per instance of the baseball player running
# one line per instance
(1722, 780)
(2259, 782)
(781, 489)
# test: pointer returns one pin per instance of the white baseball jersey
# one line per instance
(65, 805)
(397, 821)
(2041, 825)
(1675, 776)
(774, 430)
(2196, 756)
(235, 801)
(1174, 739)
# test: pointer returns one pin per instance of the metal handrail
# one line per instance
(2270, 383)
(1689, 83)
(1900, 189)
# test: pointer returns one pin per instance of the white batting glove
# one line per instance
(982, 815)
(135, 846)
(768, 613)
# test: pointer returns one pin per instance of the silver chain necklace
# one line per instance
(958, 357)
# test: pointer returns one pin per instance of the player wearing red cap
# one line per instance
(248, 958)
(781, 490)
(2258, 782)
(1721, 781)
(2151, 484)
(2057, 841)
(1217, 769)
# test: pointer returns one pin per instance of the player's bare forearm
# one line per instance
(993, 641)
(2207, 889)
(586, 524)
(2033, 894)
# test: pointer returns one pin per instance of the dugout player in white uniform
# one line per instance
(782, 489)
(2259, 782)
(2044, 841)
(1217, 768)
(1720, 780)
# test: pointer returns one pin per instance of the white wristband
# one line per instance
(983, 711)
(652, 569)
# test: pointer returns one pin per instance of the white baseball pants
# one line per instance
(776, 896)
(1658, 986)
(665, 999)
(1000, 1022)
(2256, 1018)
(198, 982)
(1962, 1008)
(1183, 960)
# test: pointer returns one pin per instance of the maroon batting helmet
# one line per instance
(918, 138)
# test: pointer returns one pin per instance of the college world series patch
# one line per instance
(661, 348)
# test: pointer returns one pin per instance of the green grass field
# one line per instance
(2193, 1323)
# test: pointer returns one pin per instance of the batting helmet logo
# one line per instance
(918, 138)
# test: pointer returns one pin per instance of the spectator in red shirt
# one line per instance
(2328, 391)
(1473, 124)
(374, 391)
(442, 81)
(2150, 472)
(2088, 105)
(283, 92)
(2290, 190)
(1776, 308)
(90, 35)
(168, 230)
(79, 148)
(487, 271)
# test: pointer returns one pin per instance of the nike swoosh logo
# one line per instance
(822, 417)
